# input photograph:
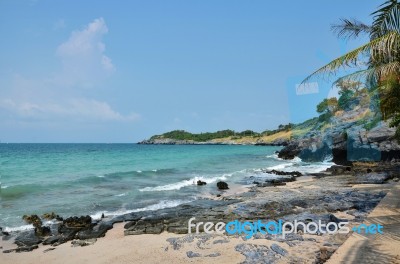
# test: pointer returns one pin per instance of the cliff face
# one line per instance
(346, 139)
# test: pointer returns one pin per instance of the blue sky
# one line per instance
(103, 71)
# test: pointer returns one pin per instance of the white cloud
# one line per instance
(85, 48)
(74, 109)
(64, 95)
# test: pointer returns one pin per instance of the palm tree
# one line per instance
(379, 59)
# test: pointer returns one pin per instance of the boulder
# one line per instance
(222, 185)
(199, 182)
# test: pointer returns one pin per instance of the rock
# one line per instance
(220, 241)
(51, 240)
(43, 231)
(283, 173)
(83, 243)
(78, 222)
(192, 254)
(144, 226)
(256, 253)
(199, 182)
(51, 216)
(213, 255)
(339, 169)
(97, 231)
(222, 185)
(335, 219)
(9, 251)
(279, 250)
(27, 238)
(49, 249)
(290, 151)
(33, 219)
(26, 248)
(371, 178)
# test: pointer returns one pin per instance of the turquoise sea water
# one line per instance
(80, 179)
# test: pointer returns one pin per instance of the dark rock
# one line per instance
(256, 253)
(144, 226)
(199, 182)
(78, 222)
(279, 250)
(83, 243)
(9, 251)
(371, 178)
(49, 249)
(220, 241)
(222, 185)
(50, 216)
(27, 238)
(43, 231)
(335, 219)
(213, 255)
(97, 231)
(339, 169)
(51, 240)
(33, 219)
(26, 248)
(290, 151)
(192, 254)
(283, 173)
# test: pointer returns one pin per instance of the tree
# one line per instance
(380, 57)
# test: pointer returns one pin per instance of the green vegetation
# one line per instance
(202, 137)
(282, 130)
(381, 57)
(327, 108)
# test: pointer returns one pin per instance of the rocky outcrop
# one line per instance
(345, 143)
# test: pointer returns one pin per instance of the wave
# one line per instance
(274, 156)
(304, 167)
(160, 205)
(184, 183)
(18, 228)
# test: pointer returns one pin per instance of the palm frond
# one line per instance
(386, 19)
(388, 69)
(350, 28)
(385, 46)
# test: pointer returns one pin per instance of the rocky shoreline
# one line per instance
(326, 196)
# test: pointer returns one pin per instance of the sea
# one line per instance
(115, 179)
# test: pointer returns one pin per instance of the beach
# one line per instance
(326, 195)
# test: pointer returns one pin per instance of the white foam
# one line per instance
(139, 171)
(160, 205)
(100, 176)
(280, 166)
(4, 187)
(18, 228)
(182, 184)
(297, 164)
(154, 170)
(120, 195)
(274, 156)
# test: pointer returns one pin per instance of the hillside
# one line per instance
(280, 136)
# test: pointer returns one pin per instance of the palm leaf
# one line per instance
(350, 28)
(386, 19)
(385, 46)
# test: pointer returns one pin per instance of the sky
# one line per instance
(122, 71)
